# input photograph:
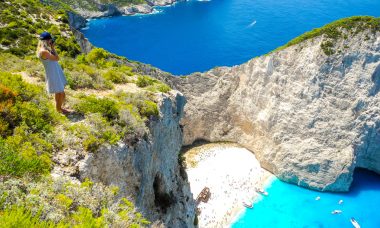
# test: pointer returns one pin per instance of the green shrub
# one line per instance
(91, 104)
(159, 87)
(35, 116)
(76, 80)
(115, 76)
(84, 218)
(31, 106)
(61, 203)
(12, 63)
(163, 88)
(29, 118)
(126, 70)
(144, 81)
(22, 217)
(5, 42)
(148, 108)
(95, 131)
(82, 75)
(97, 56)
(327, 47)
(23, 159)
(90, 71)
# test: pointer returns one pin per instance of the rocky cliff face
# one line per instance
(99, 9)
(310, 118)
(148, 171)
(77, 22)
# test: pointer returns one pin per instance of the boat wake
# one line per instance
(252, 24)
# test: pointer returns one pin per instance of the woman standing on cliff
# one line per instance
(55, 79)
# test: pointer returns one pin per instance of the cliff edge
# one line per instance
(149, 171)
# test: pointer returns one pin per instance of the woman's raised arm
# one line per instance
(47, 55)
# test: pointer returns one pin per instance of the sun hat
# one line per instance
(45, 36)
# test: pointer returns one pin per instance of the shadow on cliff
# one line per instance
(196, 143)
(376, 81)
(364, 180)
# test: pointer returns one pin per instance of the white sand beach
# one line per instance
(232, 173)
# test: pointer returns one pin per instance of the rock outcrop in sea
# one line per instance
(310, 112)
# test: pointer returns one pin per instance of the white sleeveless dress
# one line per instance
(55, 79)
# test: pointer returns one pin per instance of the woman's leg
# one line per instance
(63, 98)
(59, 99)
(57, 102)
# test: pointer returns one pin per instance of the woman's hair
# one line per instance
(43, 44)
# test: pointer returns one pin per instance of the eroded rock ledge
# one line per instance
(310, 118)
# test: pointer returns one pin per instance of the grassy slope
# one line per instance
(337, 29)
(31, 131)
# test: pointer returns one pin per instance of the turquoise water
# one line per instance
(198, 35)
(291, 206)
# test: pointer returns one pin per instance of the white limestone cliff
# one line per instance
(310, 118)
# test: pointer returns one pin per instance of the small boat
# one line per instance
(261, 191)
(336, 212)
(248, 205)
(204, 195)
(340, 202)
(317, 198)
(354, 223)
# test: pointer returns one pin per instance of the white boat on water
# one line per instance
(355, 223)
(261, 191)
(248, 205)
(336, 212)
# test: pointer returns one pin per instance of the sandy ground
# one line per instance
(232, 173)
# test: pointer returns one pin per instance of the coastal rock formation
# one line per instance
(76, 21)
(102, 10)
(160, 2)
(83, 42)
(97, 9)
(148, 171)
(134, 9)
(310, 112)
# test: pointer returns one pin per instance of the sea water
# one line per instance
(198, 35)
(288, 205)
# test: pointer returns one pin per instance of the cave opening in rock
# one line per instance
(162, 199)
(365, 180)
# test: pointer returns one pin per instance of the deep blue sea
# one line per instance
(199, 35)
(294, 207)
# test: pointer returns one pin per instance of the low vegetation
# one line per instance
(22, 20)
(61, 203)
(337, 29)
(27, 118)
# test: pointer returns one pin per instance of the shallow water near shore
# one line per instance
(195, 35)
(291, 206)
